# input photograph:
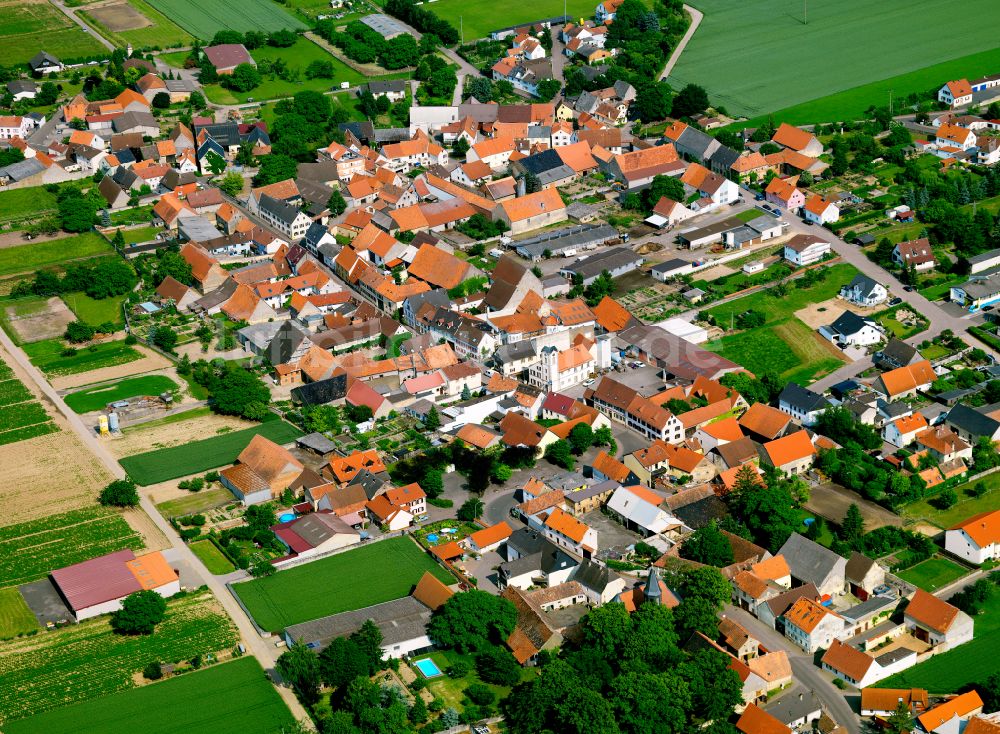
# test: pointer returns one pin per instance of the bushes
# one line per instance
(120, 493)
(78, 332)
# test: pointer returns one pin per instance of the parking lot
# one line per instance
(609, 533)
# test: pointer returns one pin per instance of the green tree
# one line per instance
(232, 183)
(853, 526)
(581, 438)
(161, 101)
(274, 168)
(691, 100)
(471, 509)
(120, 493)
(669, 187)
(336, 203)
(418, 711)
(215, 162)
(900, 721)
(165, 338)
(78, 332)
(653, 101)
(341, 662)
(243, 78)
(141, 611)
(472, 620)
(709, 546)
(76, 212)
(560, 453)
(299, 665)
(432, 421)
(237, 390)
(496, 665)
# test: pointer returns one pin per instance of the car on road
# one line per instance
(758, 197)
(908, 288)
(895, 301)
(807, 223)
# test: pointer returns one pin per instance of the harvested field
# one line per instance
(33, 320)
(153, 538)
(119, 17)
(149, 361)
(139, 439)
(826, 312)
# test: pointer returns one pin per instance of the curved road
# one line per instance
(260, 648)
(696, 16)
(71, 14)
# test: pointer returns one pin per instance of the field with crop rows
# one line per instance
(761, 56)
(26, 27)
(30, 550)
(230, 698)
(371, 574)
(88, 660)
(21, 416)
(152, 467)
(204, 20)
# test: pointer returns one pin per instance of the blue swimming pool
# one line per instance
(428, 667)
(287, 517)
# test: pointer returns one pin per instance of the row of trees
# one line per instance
(423, 20)
(107, 278)
(233, 390)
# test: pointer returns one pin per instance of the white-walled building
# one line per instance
(975, 540)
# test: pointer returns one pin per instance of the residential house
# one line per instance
(565, 530)
(754, 720)
(977, 539)
(314, 534)
(812, 626)
(488, 539)
(950, 715)
(797, 139)
(811, 563)
(531, 211)
(914, 253)
(905, 381)
(852, 330)
(801, 403)
(903, 431)
(973, 424)
(862, 669)
(638, 509)
(263, 471)
(820, 210)
(943, 444)
(624, 405)
(956, 93)
(863, 575)
(784, 193)
(884, 701)
(792, 454)
(226, 57)
(864, 291)
(806, 249)
(764, 423)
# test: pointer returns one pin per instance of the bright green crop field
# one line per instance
(198, 456)
(95, 398)
(372, 574)
(231, 698)
(759, 56)
(204, 20)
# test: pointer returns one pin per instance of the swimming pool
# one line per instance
(427, 667)
(287, 517)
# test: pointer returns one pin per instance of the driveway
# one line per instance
(803, 669)
(696, 16)
(484, 571)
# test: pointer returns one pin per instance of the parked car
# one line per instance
(908, 288)
(895, 301)
(758, 197)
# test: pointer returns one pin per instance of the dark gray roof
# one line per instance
(568, 238)
(671, 265)
(849, 323)
(316, 442)
(608, 485)
(22, 169)
(809, 561)
(130, 120)
(699, 143)
(610, 259)
(971, 421)
(802, 398)
(225, 133)
(380, 87)
(894, 656)
(285, 343)
(984, 257)
(322, 392)
(796, 704)
(550, 558)
(864, 283)
(43, 58)
(871, 606)
(399, 620)
(526, 541)
(898, 353)
(539, 163)
(594, 576)
(782, 602)
(371, 483)
(723, 158)
(21, 85)
(697, 515)
(515, 351)
(280, 210)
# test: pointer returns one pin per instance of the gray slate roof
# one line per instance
(809, 561)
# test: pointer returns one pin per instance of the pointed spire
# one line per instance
(652, 592)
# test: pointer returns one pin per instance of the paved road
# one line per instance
(805, 672)
(696, 16)
(263, 650)
(71, 14)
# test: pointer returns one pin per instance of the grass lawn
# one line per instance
(790, 60)
(175, 59)
(30, 550)
(196, 502)
(452, 690)
(31, 257)
(376, 573)
(159, 33)
(940, 290)
(47, 355)
(15, 616)
(933, 573)
(96, 312)
(478, 19)
(784, 344)
(230, 698)
(46, 672)
(392, 348)
(86, 401)
(198, 456)
(972, 662)
(140, 234)
(965, 508)
(898, 328)
(934, 351)
(27, 27)
(826, 535)
(212, 557)
(205, 20)
(297, 56)
(25, 204)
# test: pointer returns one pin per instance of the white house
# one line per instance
(803, 404)
(852, 330)
(903, 431)
(950, 137)
(14, 126)
(956, 93)
(914, 253)
(861, 669)
(806, 249)
(566, 531)
(936, 622)
(820, 210)
(812, 626)
(638, 509)
(557, 370)
(977, 539)
(864, 291)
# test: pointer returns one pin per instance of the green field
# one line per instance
(479, 19)
(198, 456)
(27, 27)
(784, 344)
(47, 355)
(86, 401)
(965, 508)
(140, 234)
(196, 502)
(934, 573)
(376, 573)
(93, 311)
(15, 616)
(204, 20)
(30, 257)
(21, 416)
(160, 33)
(87, 660)
(787, 63)
(30, 550)
(230, 698)
(212, 557)
(31, 203)
(297, 56)
(952, 671)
